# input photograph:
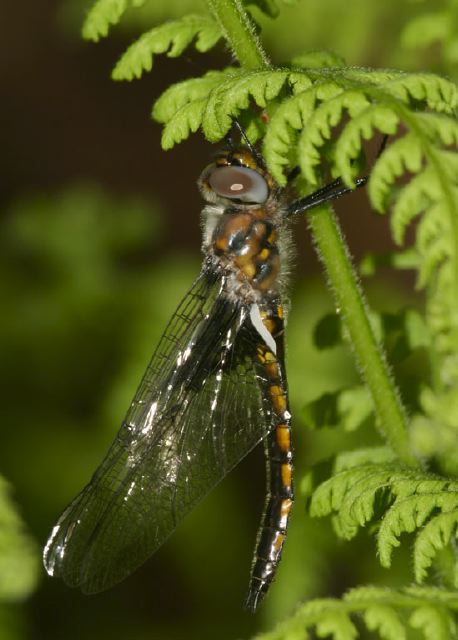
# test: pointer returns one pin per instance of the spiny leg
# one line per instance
(331, 191)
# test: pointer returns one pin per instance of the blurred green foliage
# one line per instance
(18, 554)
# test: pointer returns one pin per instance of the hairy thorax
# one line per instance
(246, 244)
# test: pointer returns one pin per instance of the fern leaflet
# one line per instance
(171, 38)
(418, 502)
(104, 14)
(388, 612)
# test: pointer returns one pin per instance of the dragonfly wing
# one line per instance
(197, 413)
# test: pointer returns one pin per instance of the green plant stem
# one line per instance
(392, 420)
(240, 33)
(332, 249)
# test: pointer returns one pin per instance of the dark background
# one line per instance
(99, 239)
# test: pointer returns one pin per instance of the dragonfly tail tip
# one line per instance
(255, 596)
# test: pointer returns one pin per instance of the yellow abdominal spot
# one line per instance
(286, 474)
(283, 438)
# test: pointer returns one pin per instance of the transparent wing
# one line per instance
(198, 411)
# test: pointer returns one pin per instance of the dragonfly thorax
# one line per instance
(245, 244)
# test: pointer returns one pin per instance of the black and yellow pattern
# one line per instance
(279, 459)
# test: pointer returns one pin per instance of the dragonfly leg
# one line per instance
(331, 191)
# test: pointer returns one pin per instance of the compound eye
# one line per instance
(239, 183)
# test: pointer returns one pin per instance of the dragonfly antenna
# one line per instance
(253, 150)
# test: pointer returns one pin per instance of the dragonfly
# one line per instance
(215, 388)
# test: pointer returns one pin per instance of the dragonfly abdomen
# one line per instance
(279, 456)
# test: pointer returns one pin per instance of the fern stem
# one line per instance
(332, 249)
(240, 33)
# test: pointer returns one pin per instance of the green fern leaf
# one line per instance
(182, 93)
(404, 154)
(413, 200)
(320, 127)
(338, 625)
(330, 495)
(373, 101)
(289, 119)
(357, 505)
(434, 622)
(437, 93)
(389, 612)
(171, 38)
(362, 127)
(417, 502)
(434, 536)
(438, 126)
(282, 132)
(236, 94)
(386, 621)
(434, 241)
(181, 107)
(408, 514)
(103, 14)
(436, 595)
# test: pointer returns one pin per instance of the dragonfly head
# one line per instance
(237, 176)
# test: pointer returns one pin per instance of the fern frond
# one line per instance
(237, 93)
(181, 108)
(171, 38)
(391, 613)
(435, 536)
(291, 117)
(370, 108)
(416, 502)
(373, 100)
(319, 100)
(104, 14)
(223, 95)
